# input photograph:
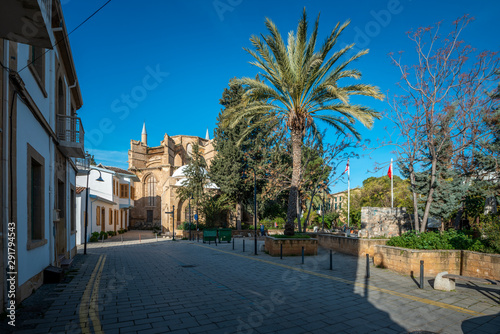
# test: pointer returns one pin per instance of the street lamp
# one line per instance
(99, 179)
(255, 206)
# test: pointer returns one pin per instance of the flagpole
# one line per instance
(392, 186)
(348, 192)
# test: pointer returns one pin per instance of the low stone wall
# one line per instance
(348, 245)
(292, 246)
(482, 265)
(466, 263)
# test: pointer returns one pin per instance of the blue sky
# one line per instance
(167, 62)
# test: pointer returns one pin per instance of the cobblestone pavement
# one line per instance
(183, 286)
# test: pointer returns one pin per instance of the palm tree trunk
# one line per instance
(296, 136)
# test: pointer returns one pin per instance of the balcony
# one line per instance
(70, 135)
(27, 22)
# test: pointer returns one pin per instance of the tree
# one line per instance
(229, 162)
(301, 86)
(446, 85)
(196, 178)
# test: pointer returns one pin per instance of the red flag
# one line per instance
(346, 167)
(389, 173)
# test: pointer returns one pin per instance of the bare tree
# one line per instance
(444, 101)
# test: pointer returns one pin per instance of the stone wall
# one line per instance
(465, 263)
(482, 265)
(379, 222)
(351, 246)
(291, 246)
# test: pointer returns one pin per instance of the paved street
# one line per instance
(190, 287)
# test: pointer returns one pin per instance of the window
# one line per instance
(123, 190)
(103, 217)
(36, 195)
(150, 190)
(335, 206)
(340, 206)
(98, 216)
(132, 193)
(149, 216)
(36, 64)
(116, 217)
(110, 216)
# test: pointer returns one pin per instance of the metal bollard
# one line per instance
(302, 254)
(233, 243)
(197, 237)
(121, 237)
(243, 245)
(421, 274)
(331, 267)
(281, 251)
(156, 236)
(367, 265)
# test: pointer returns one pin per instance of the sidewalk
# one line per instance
(190, 287)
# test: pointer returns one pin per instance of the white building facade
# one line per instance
(40, 137)
(109, 200)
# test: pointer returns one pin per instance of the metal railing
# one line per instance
(70, 129)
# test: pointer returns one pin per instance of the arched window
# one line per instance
(150, 192)
(189, 150)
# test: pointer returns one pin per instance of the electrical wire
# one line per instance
(78, 26)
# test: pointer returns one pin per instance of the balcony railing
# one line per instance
(70, 134)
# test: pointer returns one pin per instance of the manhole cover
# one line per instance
(188, 266)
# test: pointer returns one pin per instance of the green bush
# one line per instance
(451, 239)
(93, 238)
(103, 234)
(121, 231)
(295, 236)
(95, 234)
(185, 226)
(111, 233)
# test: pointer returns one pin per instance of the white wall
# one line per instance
(33, 261)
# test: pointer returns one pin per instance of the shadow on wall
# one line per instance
(146, 211)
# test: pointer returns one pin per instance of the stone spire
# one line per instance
(207, 136)
(144, 135)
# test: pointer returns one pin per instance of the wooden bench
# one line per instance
(446, 282)
(471, 279)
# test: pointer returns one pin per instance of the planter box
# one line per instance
(291, 247)
(348, 245)
(465, 263)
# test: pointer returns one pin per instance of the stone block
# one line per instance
(443, 284)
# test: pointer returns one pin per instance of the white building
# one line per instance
(40, 135)
(109, 200)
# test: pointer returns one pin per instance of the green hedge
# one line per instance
(451, 239)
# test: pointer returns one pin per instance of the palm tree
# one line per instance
(299, 86)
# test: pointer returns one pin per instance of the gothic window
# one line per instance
(150, 192)
(189, 149)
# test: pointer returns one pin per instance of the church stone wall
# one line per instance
(161, 162)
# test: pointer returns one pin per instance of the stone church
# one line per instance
(156, 168)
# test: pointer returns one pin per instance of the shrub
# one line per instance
(111, 233)
(103, 234)
(95, 234)
(93, 238)
(121, 231)
(185, 226)
(451, 239)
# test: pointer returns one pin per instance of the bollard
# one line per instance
(331, 267)
(281, 251)
(215, 241)
(233, 243)
(156, 236)
(197, 237)
(209, 241)
(102, 238)
(367, 265)
(302, 254)
(121, 237)
(243, 245)
(421, 274)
